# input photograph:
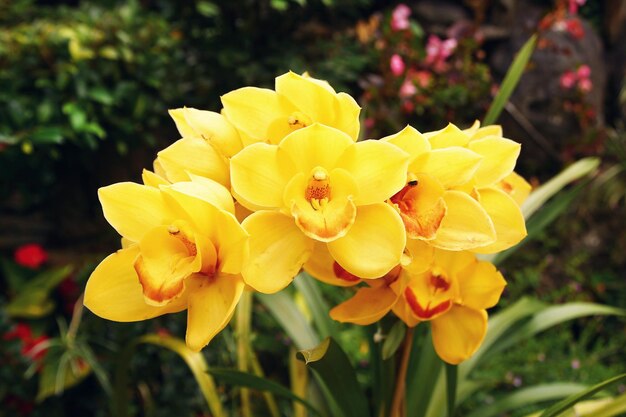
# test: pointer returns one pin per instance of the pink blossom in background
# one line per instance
(583, 71)
(407, 89)
(396, 64)
(437, 51)
(568, 79)
(585, 85)
(400, 17)
(369, 122)
(575, 4)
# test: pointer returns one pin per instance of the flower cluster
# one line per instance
(277, 182)
(432, 79)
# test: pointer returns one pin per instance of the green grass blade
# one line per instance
(569, 402)
(290, 318)
(615, 407)
(551, 316)
(539, 196)
(527, 396)
(33, 300)
(194, 360)
(424, 369)
(511, 79)
(309, 288)
(499, 324)
(243, 379)
(393, 340)
(542, 219)
(451, 380)
(337, 378)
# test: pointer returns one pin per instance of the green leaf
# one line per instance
(47, 135)
(207, 9)
(194, 360)
(498, 327)
(59, 373)
(33, 299)
(561, 406)
(101, 95)
(527, 396)
(451, 382)
(541, 219)
(617, 406)
(393, 340)
(309, 288)
(243, 379)
(551, 316)
(422, 377)
(337, 378)
(511, 79)
(9, 139)
(539, 196)
(290, 318)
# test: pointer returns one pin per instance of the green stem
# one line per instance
(77, 315)
(244, 318)
(397, 405)
(258, 371)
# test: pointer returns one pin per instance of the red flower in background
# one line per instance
(30, 344)
(31, 255)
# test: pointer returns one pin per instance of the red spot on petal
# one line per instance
(428, 312)
(343, 274)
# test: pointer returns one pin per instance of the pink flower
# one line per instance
(31, 255)
(369, 122)
(437, 51)
(585, 85)
(396, 64)
(400, 17)
(583, 71)
(575, 4)
(407, 89)
(568, 79)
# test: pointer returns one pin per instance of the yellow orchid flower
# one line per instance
(453, 198)
(452, 290)
(208, 141)
(183, 249)
(264, 115)
(318, 185)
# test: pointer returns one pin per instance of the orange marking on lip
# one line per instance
(428, 312)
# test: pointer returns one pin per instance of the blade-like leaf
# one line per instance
(33, 299)
(393, 340)
(527, 396)
(498, 325)
(511, 79)
(309, 288)
(451, 380)
(290, 318)
(538, 197)
(194, 360)
(60, 372)
(423, 374)
(542, 219)
(613, 408)
(337, 378)
(243, 379)
(551, 316)
(561, 406)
